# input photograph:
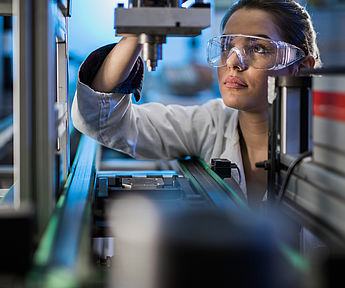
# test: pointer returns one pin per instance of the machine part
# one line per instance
(151, 49)
(6, 8)
(311, 191)
(289, 96)
(155, 20)
(142, 183)
(223, 168)
(210, 185)
(289, 173)
(199, 187)
(65, 6)
(314, 198)
(65, 241)
(102, 187)
(329, 121)
(75, 202)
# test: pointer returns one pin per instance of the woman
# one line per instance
(235, 127)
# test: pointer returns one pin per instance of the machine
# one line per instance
(305, 165)
(153, 21)
(74, 218)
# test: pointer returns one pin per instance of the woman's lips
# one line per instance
(235, 83)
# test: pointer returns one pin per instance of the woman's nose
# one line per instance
(235, 59)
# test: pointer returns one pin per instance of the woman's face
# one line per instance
(246, 89)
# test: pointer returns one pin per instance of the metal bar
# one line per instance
(44, 251)
(229, 190)
(22, 101)
(272, 138)
(66, 247)
(63, 100)
(65, 6)
(283, 119)
(6, 169)
(6, 8)
(164, 173)
(324, 179)
(313, 198)
(206, 185)
(304, 123)
(44, 87)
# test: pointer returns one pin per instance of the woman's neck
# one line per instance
(254, 129)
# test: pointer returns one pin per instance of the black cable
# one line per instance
(289, 173)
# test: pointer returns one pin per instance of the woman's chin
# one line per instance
(233, 102)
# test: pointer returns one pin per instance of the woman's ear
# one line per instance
(306, 62)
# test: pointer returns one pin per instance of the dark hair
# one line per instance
(292, 19)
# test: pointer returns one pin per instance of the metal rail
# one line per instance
(314, 199)
(210, 185)
(61, 243)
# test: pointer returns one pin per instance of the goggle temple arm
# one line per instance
(287, 55)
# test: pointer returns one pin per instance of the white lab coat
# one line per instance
(155, 131)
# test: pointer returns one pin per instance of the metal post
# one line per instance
(44, 92)
(63, 139)
(22, 101)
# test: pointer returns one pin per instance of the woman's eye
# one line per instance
(259, 49)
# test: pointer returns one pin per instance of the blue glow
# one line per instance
(91, 26)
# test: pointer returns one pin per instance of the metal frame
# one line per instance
(284, 129)
(210, 185)
(313, 197)
(62, 101)
(41, 127)
(314, 200)
(63, 243)
(22, 101)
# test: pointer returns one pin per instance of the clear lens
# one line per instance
(257, 52)
(262, 53)
(216, 51)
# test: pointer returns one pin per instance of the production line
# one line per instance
(76, 218)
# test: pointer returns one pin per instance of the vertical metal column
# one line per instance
(44, 92)
(2, 72)
(289, 129)
(62, 103)
(40, 48)
(22, 101)
(294, 114)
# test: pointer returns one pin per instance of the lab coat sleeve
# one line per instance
(89, 68)
(148, 131)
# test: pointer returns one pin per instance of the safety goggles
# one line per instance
(257, 52)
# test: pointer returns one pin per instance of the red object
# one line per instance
(329, 105)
